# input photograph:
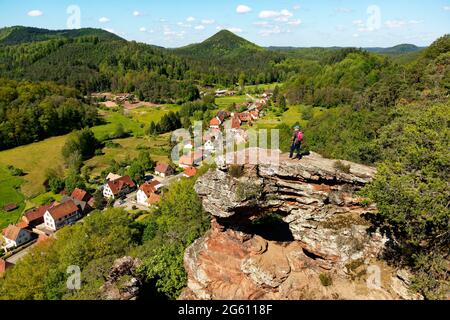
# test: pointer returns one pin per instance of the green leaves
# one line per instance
(411, 189)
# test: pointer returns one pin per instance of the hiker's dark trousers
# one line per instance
(295, 147)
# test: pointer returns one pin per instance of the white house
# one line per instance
(118, 187)
(146, 192)
(15, 236)
(60, 215)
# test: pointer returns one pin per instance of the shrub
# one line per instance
(236, 171)
(340, 166)
(325, 279)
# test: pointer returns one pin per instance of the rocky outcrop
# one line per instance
(123, 282)
(295, 229)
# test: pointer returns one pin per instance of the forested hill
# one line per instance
(224, 57)
(94, 60)
(19, 34)
(223, 43)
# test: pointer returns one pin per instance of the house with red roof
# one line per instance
(163, 170)
(191, 159)
(147, 191)
(244, 116)
(189, 172)
(35, 217)
(61, 214)
(82, 195)
(235, 123)
(118, 187)
(15, 236)
(215, 123)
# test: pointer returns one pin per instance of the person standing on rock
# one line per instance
(297, 140)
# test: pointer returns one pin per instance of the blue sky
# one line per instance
(306, 23)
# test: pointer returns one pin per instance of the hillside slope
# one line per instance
(20, 34)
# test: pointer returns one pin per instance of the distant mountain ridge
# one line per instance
(20, 34)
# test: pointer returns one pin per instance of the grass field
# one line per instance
(225, 102)
(269, 86)
(158, 148)
(35, 159)
(113, 119)
(290, 117)
(10, 193)
(146, 115)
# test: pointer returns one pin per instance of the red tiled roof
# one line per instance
(154, 198)
(35, 215)
(117, 185)
(63, 210)
(81, 195)
(235, 123)
(163, 168)
(190, 171)
(189, 159)
(214, 122)
(244, 116)
(150, 188)
(11, 232)
(22, 225)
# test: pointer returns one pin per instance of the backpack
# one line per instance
(300, 136)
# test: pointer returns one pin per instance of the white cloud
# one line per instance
(184, 25)
(355, 35)
(446, 8)
(200, 27)
(268, 14)
(190, 19)
(243, 9)
(392, 24)
(137, 13)
(282, 15)
(103, 20)
(297, 7)
(143, 29)
(296, 22)
(35, 13)
(234, 30)
(208, 21)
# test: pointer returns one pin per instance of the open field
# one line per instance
(10, 193)
(224, 102)
(147, 114)
(158, 148)
(35, 159)
(113, 119)
(269, 86)
(290, 117)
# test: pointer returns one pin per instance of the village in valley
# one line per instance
(43, 222)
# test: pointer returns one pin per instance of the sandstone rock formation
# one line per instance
(123, 282)
(293, 231)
